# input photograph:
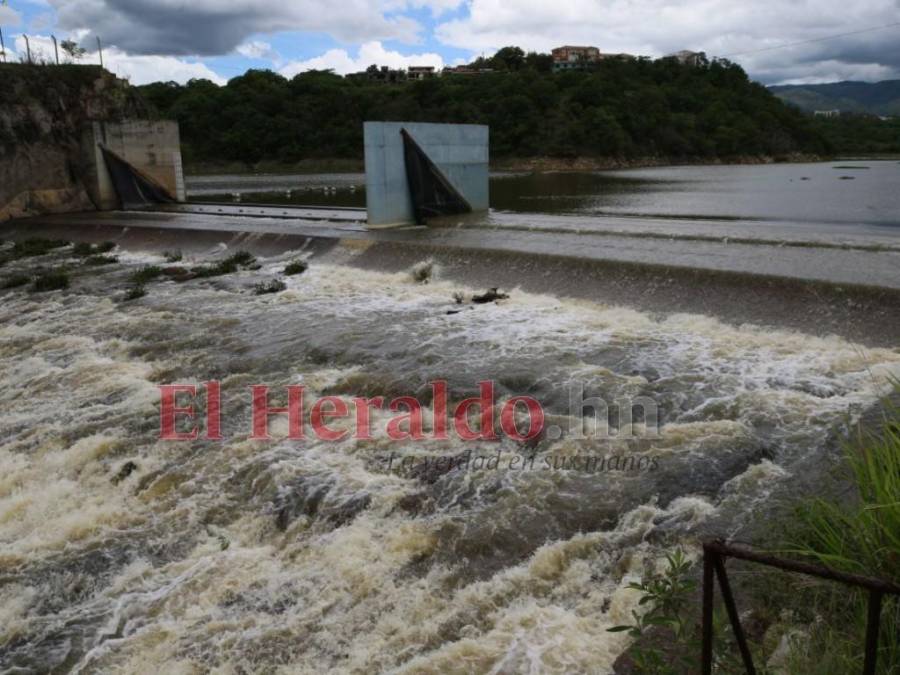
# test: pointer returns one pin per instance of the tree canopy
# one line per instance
(619, 108)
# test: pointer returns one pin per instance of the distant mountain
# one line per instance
(877, 98)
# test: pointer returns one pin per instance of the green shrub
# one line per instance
(36, 246)
(172, 256)
(15, 281)
(857, 533)
(82, 248)
(50, 281)
(231, 264)
(96, 260)
(145, 274)
(295, 267)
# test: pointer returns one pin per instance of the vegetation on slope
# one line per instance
(874, 98)
(860, 134)
(621, 108)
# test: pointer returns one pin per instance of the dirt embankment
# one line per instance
(609, 163)
(44, 114)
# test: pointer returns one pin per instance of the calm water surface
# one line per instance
(854, 193)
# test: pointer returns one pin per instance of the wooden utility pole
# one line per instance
(55, 49)
(2, 46)
(27, 48)
(100, 49)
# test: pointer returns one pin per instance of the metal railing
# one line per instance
(714, 555)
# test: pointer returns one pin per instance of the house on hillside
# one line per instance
(420, 72)
(574, 58)
(827, 113)
(687, 57)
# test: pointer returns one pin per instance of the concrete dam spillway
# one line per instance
(124, 551)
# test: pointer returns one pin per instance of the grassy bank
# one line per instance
(794, 624)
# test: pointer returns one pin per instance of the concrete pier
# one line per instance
(460, 151)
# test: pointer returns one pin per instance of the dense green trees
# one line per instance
(863, 134)
(621, 108)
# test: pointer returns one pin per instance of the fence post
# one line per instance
(707, 653)
(872, 624)
(728, 597)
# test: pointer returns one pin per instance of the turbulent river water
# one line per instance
(120, 552)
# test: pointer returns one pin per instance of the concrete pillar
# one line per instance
(154, 148)
(460, 151)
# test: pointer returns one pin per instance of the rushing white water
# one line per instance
(310, 556)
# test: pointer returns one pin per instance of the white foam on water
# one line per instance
(212, 583)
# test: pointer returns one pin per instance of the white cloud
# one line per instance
(141, 69)
(137, 69)
(718, 27)
(213, 27)
(258, 49)
(340, 61)
(9, 16)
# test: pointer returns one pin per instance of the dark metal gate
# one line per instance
(714, 555)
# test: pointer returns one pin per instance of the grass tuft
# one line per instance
(35, 246)
(145, 274)
(15, 281)
(97, 260)
(295, 267)
(231, 264)
(50, 281)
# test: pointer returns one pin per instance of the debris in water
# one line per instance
(83, 249)
(273, 286)
(135, 292)
(127, 469)
(172, 256)
(492, 295)
(458, 298)
(422, 272)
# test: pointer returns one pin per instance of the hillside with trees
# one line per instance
(619, 108)
(874, 98)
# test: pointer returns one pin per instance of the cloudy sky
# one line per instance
(149, 40)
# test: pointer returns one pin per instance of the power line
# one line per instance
(821, 39)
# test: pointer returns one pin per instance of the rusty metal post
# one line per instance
(873, 622)
(708, 567)
(728, 597)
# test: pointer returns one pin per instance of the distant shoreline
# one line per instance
(531, 164)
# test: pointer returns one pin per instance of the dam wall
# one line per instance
(51, 121)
